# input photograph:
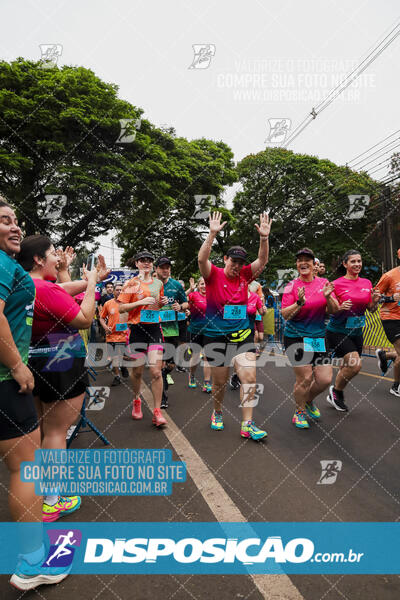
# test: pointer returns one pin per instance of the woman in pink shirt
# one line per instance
(57, 353)
(304, 304)
(345, 328)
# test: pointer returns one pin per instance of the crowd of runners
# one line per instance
(151, 321)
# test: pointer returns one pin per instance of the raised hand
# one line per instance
(149, 300)
(375, 296)
(265, 225)
(346, 305)
(101, 268)
(328, 289)
(301, 294)
(215, 222)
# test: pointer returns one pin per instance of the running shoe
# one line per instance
(313, 411)
(395, 390)
(382, 361)
(124, 372)
(300, 419)
(164, 401)
(170, 381)
(192, 381)
(116, 381)
(234, 382)
(64, 506)
(180, 369)
(216, 421)
(336, 400)
(250, 430)
(137, 409)
(158, 418)
(29, 577)
(207, 387)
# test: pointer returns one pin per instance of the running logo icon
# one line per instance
(203, 54)
(358, 205)
(50, 54)
(278, 130)
(330, 471)
(62, 547)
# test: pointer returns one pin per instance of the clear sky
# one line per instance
(271, 60)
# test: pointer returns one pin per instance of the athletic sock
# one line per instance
(50, 500)
(338, 392)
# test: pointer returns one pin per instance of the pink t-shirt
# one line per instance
(54, 309)
(220, 291)
(197, 307)
(254, 303)
(309, 321)
(359, 292)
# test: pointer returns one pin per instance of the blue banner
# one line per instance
(208, 548)
(105, 472)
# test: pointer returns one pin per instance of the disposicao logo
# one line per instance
(191, 550)
(61, 551)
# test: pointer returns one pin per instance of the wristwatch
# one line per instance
(299, 303)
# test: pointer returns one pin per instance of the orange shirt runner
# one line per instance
(135, 289)
(388, 285)
(111, 315)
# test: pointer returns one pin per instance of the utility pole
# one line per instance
(388, 261)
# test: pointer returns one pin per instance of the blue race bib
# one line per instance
(314, 344)
(235, 311)
(258, 317)
(167, 315)
(149, 316)
(355, 322)
(121, 327)
(181, 316)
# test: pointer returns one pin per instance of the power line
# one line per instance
(348, 80)
(372, 147)
(385, 149)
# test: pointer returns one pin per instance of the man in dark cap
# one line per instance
(177, 302)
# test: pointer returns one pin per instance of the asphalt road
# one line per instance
(273, 480)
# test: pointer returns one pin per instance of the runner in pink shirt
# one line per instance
(227, 330)
(197, 307)
(304, 304)
(344, 334)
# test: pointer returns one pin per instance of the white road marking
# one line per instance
(272, 587)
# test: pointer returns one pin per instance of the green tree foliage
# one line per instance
(59, 135)
(308, 200)
(197, 168)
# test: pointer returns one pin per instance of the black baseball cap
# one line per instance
(163, 260)
(305, 252)
(237, 252)
(144, 254)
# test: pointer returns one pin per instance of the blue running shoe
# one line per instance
(29, 577)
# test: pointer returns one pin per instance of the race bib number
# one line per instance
(181, 316)
(258, 317)
(167, 315)
(149, 316)
(314, 344)
(235, 311)
(355, 322)
(121, 327)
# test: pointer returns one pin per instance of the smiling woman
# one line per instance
(304, 304)
(57, 353)
(19, 432)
